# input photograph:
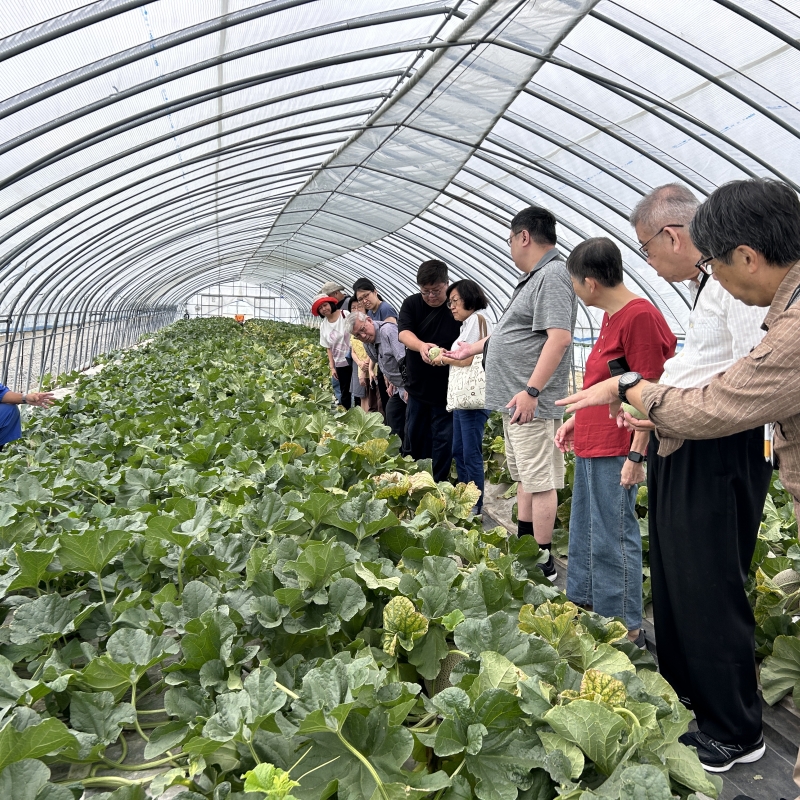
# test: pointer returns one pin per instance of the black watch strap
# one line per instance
(637, 458)
(532, 391)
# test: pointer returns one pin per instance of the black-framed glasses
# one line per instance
(433, 292)
(452, 301)
(643, 248)
(705, 266)
(508, 241)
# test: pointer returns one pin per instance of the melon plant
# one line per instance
(212, 585)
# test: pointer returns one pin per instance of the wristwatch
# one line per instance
(637, 458)
(532, 391)
(24, 399)
(627, 381)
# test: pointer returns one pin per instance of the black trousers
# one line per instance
(429, 434)
(705, 507)
(385, 402)
(395, 412)
(345, 375)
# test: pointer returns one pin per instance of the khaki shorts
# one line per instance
(531, 454)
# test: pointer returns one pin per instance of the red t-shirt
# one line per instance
(638, 333)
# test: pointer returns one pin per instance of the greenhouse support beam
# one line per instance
(59, 26)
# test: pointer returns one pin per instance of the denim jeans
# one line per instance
(605, 545)
(468, 425)
(429, 434)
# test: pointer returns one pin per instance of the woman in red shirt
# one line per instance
(605, 545)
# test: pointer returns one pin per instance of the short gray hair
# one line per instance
(350, 322)
(671, 203)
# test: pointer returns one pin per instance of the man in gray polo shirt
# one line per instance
(527, 365)
(388, 352)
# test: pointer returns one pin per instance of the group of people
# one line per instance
(703, 407)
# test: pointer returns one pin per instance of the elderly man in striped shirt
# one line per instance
(705, 504)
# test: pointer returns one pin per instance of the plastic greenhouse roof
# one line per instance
(150, 150)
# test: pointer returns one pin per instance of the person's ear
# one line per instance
(676, 237)
(751, 259)
(524, 237)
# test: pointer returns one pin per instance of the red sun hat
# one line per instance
(319, 301)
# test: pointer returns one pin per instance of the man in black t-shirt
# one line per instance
(425, 321)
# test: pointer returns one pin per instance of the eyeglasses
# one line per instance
(643, 248)
(432, 292)
(361, 298)
(508, 241)
(705, 266)
(453, 301)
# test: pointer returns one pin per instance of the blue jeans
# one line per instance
(468, 428)
(605, 545)
(429, 434)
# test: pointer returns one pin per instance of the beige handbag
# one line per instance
(466, 386)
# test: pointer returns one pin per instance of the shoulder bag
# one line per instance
(466, 386)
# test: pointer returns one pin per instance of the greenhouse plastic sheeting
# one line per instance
(150, 150)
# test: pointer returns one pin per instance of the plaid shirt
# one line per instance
(762, 387)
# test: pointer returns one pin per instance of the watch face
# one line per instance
(629, 379)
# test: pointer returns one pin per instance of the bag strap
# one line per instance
(793, 298)
(481, 327)
(427, 319)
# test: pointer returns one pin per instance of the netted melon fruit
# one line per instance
(442, 680)
(788, 580)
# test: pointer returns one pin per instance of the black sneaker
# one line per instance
(549, 569)
(640, 640)
(718, 757)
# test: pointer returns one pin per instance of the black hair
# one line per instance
(539, 222)
(432, 271)
(364, 285)
(473, 298)
(596, 258)
(761, 213)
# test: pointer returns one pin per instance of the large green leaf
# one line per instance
(34, 741)
(780, 672)
(47, 618)
(29, 780)
(92, 550)
(591, 726)
(99, 714)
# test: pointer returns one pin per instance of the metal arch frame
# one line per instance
(140, 288)
(325, 30)
(671, 54)
(42, 32)
(83, 244)
(571, 204)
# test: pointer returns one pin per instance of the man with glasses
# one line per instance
(527, 366)
(425, 322)
(385, 349)
(706, 497)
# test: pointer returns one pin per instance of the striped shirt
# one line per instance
(721, 330)
(762, 387)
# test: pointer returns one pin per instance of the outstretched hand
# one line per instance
(604, 393)
(40, 399)
(462, 351)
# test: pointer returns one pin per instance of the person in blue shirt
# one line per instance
(374, 305)
(10, 423)
(378, 310)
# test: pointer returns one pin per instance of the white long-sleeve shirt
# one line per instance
(721, 330)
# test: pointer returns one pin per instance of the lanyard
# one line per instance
(703, 282)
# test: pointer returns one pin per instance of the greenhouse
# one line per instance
(244, 554)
